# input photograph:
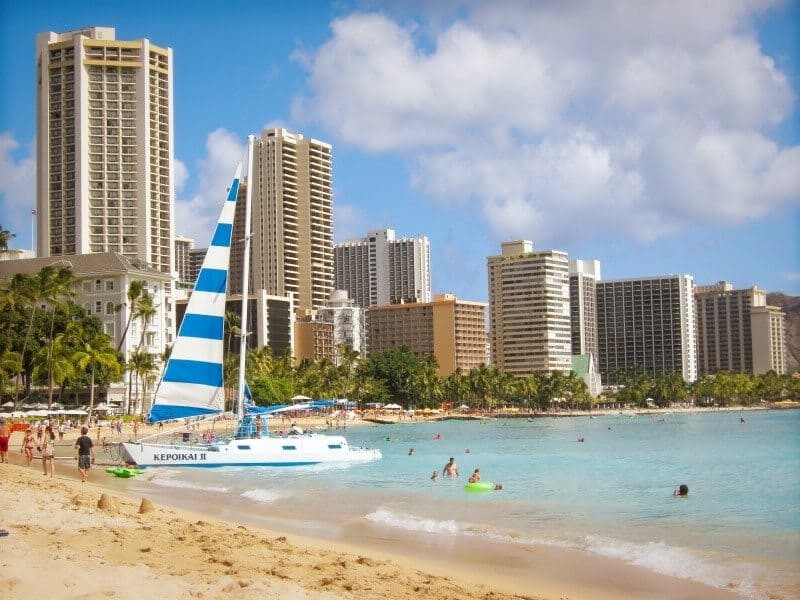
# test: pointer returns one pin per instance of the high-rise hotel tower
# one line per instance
(382, 269)
(646, 326)
(529, 308)
(104, 146)
(292, 228)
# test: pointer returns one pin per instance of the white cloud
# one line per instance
(17, 186)
(196, 216)
(349, 222)
(558, 120)
(181, 175)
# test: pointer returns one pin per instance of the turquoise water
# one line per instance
(611, 495)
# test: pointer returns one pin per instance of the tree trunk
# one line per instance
(24, 348)
(91, 394)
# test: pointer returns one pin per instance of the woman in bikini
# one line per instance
(28, 444)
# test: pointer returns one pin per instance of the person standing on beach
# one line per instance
(28, 444)
(85, 449)
(47, 448)
(5, 433)
(451, 468)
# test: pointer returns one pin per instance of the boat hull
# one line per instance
(292, 451)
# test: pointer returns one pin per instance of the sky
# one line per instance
(658, 137)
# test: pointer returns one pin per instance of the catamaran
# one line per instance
(192, 385)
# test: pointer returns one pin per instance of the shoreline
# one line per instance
(38, 511)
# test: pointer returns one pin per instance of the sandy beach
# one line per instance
(62, 543)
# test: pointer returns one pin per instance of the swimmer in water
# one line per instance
(435, 476)
(682, 491)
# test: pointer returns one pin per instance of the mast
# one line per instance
(245, 277)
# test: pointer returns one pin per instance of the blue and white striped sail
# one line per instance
(193, 383)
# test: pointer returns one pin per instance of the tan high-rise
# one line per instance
(292, 244)
(529, 309)
(104, 146)
(737, 332)
(452, 330)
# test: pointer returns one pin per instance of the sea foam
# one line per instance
(186, 485)
(655, 556)
(262, 495)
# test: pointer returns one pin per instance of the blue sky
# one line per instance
(658, 137)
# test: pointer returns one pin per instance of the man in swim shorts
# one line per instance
(85, 449)
(451, 468)
(5, 433)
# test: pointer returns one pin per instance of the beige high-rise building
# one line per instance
(292, 243)
(313, 338)
(736, 331)
(529, 308)
(452, 330)
(769, 341)
(104, 146)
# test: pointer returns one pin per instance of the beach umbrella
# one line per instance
(76, 412)
(393, 406)
(5, 415)
(463, 407)
(300, 398)
(8, 404)
(17, 414)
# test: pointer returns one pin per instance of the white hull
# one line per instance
(291, 451)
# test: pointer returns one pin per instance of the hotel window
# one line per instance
(98, 306)
(109, 308)
(109, 286)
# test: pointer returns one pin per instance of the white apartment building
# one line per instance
(183, 258)
(646, 326)
(102, 285)
(381, 269)
(104, 146)
(347, 320)
(292, 228)
(529, 309)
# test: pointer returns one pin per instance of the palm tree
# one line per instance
(5, 238)
(347, 360)
(232, 322)
(53, 366)
(134, 294)
(16, 295)
(527, 389)
(95, 353)
(10, 366)
(144, 310)
(47, 286)
(142, 365)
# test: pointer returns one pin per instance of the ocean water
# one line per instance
(610, 495)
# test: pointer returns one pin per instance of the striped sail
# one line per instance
(193, 384)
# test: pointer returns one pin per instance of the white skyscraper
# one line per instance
(380, 269)
(104, 146)
(583, 275)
